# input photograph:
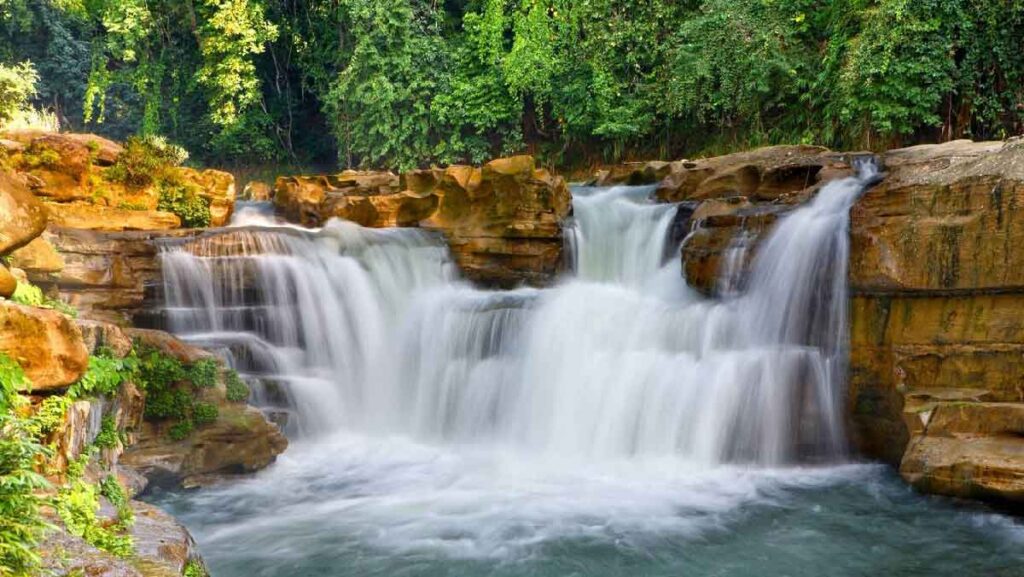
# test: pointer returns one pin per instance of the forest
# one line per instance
(405, 83)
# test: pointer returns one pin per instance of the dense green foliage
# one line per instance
(409, 82)
(31, 295)
(237, 390)
(172, 388)
(21, 524)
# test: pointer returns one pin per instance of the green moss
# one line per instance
(194, 569)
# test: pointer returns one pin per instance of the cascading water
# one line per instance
(583, 429)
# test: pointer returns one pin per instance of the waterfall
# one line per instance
(353, 329)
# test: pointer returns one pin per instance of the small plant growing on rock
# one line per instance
(184, 201)
(203, 373)
(237, 390)
(146, 160)
(180, 431)
(204, 414)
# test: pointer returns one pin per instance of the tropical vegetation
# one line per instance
(398, 83)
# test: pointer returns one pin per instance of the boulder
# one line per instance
(633, 173)
(240, 441)
(8, 283)
(503, 221)
(96, 334)
(218, 187)
(22, 217)
(168, 344)
(258, 191)
(772, 173)
(368, 198)
(47, 344)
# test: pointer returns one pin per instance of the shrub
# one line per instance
(104, 376)
(108, 437)
(77, 503)
(237, 390)
(145, 160)
(203, 373)
(168, 404)
(180, 430)
(204, 414)
(21, 524)
(112, 490)
(30, 295)
(159, 371)
(184, 201)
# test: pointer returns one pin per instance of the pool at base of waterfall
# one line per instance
(384, 506)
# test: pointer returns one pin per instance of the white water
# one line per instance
(433, 416)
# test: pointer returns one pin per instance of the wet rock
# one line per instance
(258, 191)
(633, 173)
(168, 344)
(240, 441)
(47, 344)
(163, 546)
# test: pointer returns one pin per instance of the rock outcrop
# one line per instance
(503, 220)
(937, 337)
(22, 216)
(47, 344)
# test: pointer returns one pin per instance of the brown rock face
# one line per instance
(47, 345)
(503, 220)
(937, 335)
(767, 174)
(635, 173)
(86, 216)
(39, 259)
(22, 217)
(216, 186)
(241, 440)
(106, 275)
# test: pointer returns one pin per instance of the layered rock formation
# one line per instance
(503, 220)
(937, 337)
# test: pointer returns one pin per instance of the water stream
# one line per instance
(618, 423)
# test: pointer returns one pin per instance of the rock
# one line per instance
(109, 275)
(633, 173)
(258, 191)
(503, 221)
(976, 467)
(8, 284)
(937, 332)
(22, 217)
(168, 344)
(769, 174)
(162, 544)
(96, 334)
(86, 216)
(368, 198)
(163, 547)
(104, 151)
(240, 441)
(39, 259)
(47, 344)
(944, 218)
(219, 188)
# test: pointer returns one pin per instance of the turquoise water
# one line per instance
(356, 506)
